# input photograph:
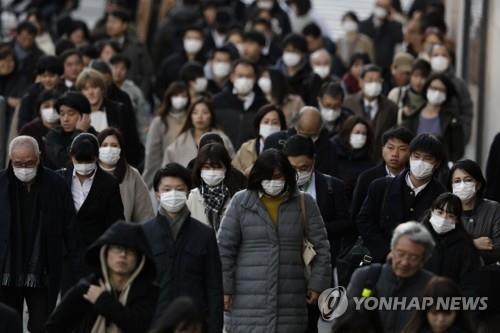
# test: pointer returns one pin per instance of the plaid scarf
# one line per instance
(214, 198)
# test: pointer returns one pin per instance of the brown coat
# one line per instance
(245, 157)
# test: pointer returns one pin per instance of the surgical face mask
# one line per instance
(25, 174)
(109, 155)
(243, 85)
(291, 59)
(380, 12)
(200, 84)
(464, 190)
(49, 115)
(350, 26)
(357, 141)
(330, 115)
(440, 224)
(179, 102)
(265, 85)
(435, 97)
(84, 169)
(273, 187)
(439, 64)
(321, 71)
(303, 177)
(265, 130)
(421, 169)
(192, 45)
(213, 177)
(372, 89)
(221, 69)
(265, 4)
(173, 201)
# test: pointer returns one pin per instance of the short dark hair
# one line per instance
(214, 154)
(264, 167)
(473, 169)
(6, 51)
(191, 71)
(298, 145)
(121, 166)
(120, 59)
(359, 56)
(68, 53)
(312, 29)
(450, 203)
(26, 26)
(370, 68)
(260, 20)
(182, 312)
(430, 144)
(352, 15)
(107, 42)
(193, 27)
(401, 133)
(84, 147)
(255, 36)
(101, 66)
(333, 89)
(262, 113)
(297, 41)
(422, 66)
(121, 14)
(172, 170)
(63, 45)
(51, 64)
(243, 62)
(450, 87)
(228, 49)
(47, 95)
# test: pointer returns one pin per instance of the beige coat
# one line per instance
(135, 197)
(184, 148)
(158, 138)
(196, 205)
(245, 157)
(291, 108)
(362, 43)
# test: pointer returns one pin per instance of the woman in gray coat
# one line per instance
(260, 244)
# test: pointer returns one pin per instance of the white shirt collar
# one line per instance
(247, 100)
(415, 189)
(389, 173)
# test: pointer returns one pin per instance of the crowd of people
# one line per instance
(215, 165)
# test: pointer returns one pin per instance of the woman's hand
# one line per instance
(483, 243)
(312, 297)
(94, 292)
(228, 303)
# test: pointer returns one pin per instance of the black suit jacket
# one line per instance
(364, 181)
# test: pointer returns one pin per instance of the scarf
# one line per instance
(100, 325)
(214, 198)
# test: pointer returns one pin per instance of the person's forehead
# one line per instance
(23, 152)
(396, 142)
(171, 181)
(406, 244)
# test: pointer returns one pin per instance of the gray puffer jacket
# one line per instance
(262, 263)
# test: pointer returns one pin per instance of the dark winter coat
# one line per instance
(57, 144)
(362, 184)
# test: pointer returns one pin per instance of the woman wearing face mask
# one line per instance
(134, 192)
(96, 198)
(433, 320)
(353, 41)
(454, 255)
(439, 116)
(481, 217)
(268, 120)
(260, 244)
(277, 91)
(294, 63)
(165, 127)
(199, 120)
(353, 149)
(208, 201)
(351, 78)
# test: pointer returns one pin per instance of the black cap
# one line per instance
(255, 36)
(210, 137)
(276, 140)
(297, 145)
(75, 100)
(101, 66)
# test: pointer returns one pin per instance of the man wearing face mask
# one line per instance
(170, 67)
(405, 197)
(237, 105)
(193, 76)
(330, 99)
(36, 217)
(372, 105)
(441, 64)
(96, 199)
(220, 67)
(321, 64)
(185, 250)
(254, 43)
(294, 63)
(385, 33)
(272, 48)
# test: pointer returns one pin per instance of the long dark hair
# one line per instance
(448, 202)
(345, 132)
(264, 167)
(189, 122)
(121, 165)
(175, 88)
(262, 113)
(450, 88)
(214, 154)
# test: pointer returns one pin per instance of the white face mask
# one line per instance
(213, 177)
(243, 85)
(439, 64)
(192, 45)
(265, 85)
(372, 89)
(273, 187)
(179, 102)
(464, 190)
(322, 71)
(200, 84)
(421, 169)
(265, 130)
(221, 69)
(350, 26)
(291, 59)
(173, 201)
(380, 12)
(25, 174)
(357, 141)
(440, 224)
(303, 177)
(265, 4)
(49, 115)
(435, 97)
(84, 169)
(330, 115)
(109, 155)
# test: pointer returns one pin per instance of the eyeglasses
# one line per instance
(118, 249)
(29, 164)
(411, 258)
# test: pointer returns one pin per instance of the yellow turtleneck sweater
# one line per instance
(272, 205)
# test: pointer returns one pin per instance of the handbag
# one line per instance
(308, 252)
